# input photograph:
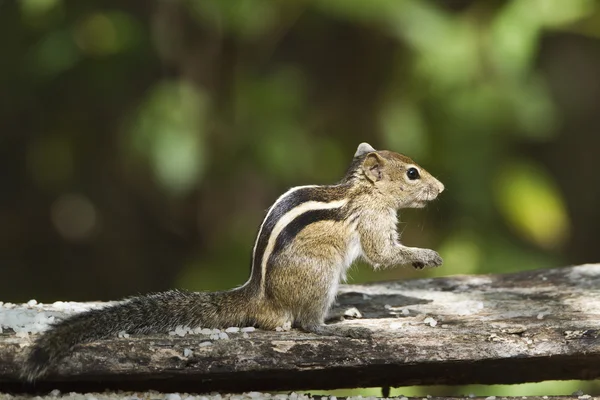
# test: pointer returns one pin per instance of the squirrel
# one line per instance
(305, 245)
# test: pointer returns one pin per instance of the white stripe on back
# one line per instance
(286, 219)
(279, 199)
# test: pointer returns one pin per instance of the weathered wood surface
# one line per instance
(524, 327)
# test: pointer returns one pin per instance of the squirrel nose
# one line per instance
(440, 187)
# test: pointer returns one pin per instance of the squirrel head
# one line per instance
(396, 177)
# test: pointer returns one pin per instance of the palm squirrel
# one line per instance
(305, 245)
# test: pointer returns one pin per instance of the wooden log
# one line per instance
(491, 329)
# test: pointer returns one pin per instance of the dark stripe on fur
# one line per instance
(320, 193)
(287, 235)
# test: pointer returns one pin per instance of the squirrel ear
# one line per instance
(373, 166)
(363, 148)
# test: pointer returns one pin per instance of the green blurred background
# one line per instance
(142, 141)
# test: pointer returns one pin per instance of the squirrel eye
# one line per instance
(412, 174)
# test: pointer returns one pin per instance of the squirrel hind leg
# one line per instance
(271, 318)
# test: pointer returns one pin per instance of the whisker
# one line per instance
(402, 231)
(425, 220)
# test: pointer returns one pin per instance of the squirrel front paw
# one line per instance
(429, 258)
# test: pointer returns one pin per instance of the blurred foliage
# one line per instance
(142, 141)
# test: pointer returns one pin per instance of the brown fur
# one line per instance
(314, 235)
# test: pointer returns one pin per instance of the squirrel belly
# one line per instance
(307, 241)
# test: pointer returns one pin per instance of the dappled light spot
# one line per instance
(168, 133)
(38, 13)
(54, 53)
(74, 216)
(532, 204)
(102, 34)
(462, 252)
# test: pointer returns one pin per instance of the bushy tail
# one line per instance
(154, 313)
